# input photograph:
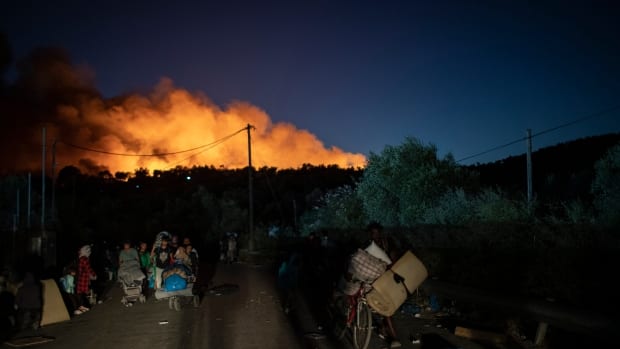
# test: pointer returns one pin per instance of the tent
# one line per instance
(54, 309)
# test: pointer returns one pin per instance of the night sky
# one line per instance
(464, 75)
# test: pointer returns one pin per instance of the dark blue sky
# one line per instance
(464, 75)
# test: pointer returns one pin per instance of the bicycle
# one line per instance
(354, 315)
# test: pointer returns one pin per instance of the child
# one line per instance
(68, 286)
(146, 265)
(187, 242)
(193, 257)
(181, 256)
(28, 301)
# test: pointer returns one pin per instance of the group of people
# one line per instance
(22, 302)
(75, 284)
(169, 254)
(22, 307)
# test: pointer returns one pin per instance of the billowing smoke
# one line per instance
(50, 91)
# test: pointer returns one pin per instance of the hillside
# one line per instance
(560, 172)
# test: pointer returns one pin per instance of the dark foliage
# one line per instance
(561, 172)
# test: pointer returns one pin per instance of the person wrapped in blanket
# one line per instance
(179, 273)
(129, 269)
(365, 266)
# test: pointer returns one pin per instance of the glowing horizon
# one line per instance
(172, 119)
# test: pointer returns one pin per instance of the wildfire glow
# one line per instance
(172, 119)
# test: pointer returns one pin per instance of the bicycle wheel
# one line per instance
(362, 326)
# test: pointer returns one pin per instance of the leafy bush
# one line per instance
(340, 208)
(455, 207)
(577, 212)
(493, 206)
(452, 208)
(606, 188)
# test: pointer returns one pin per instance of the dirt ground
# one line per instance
(240, 308)
(245, 317)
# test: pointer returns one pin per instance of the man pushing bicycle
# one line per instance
(365, 266)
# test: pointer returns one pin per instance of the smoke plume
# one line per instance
(50, 91)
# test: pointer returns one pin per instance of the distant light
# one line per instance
(137, 186)
(189, 177)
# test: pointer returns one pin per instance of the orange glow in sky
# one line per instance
(172, 119)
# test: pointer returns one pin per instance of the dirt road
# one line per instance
(240, 309)
(249, 316)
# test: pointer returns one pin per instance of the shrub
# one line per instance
(606, 188)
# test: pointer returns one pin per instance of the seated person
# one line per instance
(129, 264)
(181, 265)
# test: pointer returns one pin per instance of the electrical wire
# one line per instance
(216, 142)
(589, 116)
(493, 149)
(211, 146)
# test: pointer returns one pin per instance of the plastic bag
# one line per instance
(174, 282)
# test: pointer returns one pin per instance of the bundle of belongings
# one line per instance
(179, 274)
(365, 267)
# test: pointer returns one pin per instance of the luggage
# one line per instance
(410, 268)
(365, 267)
(391, 289)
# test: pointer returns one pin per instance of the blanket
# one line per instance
(177, 269)
(130, 271)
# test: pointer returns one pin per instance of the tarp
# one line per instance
(54, 309)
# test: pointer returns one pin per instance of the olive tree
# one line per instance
(402, 183)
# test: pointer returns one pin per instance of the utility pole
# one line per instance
(15, 228)
(295, 215)
(54, 181)
(529, 165)
(250, 192)
(17, 210)
(44, 141)
(29, 195)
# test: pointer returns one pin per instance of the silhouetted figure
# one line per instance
(7, 311)
(29, 301)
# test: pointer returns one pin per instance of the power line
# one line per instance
(210, 146)
(617, 107)
(153, 154)
(589, 116)
(492, 149)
